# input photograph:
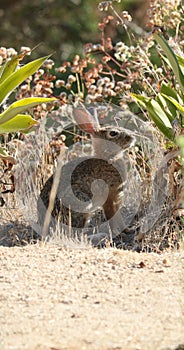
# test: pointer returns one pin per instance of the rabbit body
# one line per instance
(87, 183)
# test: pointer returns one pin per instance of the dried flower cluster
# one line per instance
(105, 5)
(110, 70)
(7, 53)
(106, 70)
(167, 13)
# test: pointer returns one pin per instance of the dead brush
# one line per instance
(144, 217)
(156, 221)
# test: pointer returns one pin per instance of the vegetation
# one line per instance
(57, 26)
(167, 107)
(12, 118)
(142, 73)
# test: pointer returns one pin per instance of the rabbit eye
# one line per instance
(113, 133)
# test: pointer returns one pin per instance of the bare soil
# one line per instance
(79, 297)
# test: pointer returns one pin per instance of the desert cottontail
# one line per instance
(87, 183)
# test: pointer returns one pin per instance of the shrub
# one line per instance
(13, 117)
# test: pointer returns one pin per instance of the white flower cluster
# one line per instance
(123, 52)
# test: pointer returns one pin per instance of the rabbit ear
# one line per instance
(85, 120)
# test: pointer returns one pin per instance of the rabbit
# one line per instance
(88, 183)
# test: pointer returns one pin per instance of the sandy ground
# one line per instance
(55, 298)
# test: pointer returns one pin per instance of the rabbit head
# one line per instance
(108, 141)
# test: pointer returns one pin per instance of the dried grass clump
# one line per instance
(150, 197)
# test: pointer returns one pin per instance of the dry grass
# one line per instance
(155, 220)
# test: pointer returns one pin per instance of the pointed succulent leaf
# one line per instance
(9, 67)
(153, 106)
(162, 126)
(181, 62)
(171, 57)
(21, 106)
(142, 100)
(157, 114)
(18, 123)
(167, 106)
(157, 109)
(168, 90)
(175, 103)
(167, 132)
(17, 77)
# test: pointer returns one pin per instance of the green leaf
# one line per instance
(154, 107)
(168, 90)
(180, 60)
(21, 106)
(9, 67)
(161, 115)
(175, 103)
(18, 123)
(171, 57)
(157, 114)
(16, 78)
(142, 100)
(165, 59)
(168, 107)
(167, 131)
